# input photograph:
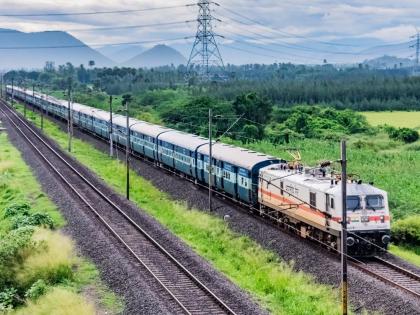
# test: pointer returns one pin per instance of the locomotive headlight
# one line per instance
(350, 241)
(386, 239)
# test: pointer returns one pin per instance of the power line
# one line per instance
(93, 45)
(108, 28)
(95, 12)
(283, 32)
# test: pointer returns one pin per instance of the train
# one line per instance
(304, 200)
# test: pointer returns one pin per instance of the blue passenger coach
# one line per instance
(235, 170)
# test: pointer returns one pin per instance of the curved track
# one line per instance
(390, 273)
(187, 293)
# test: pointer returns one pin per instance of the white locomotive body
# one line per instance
(309, 200)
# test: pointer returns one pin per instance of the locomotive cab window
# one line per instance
(374, 202)
(353, 203)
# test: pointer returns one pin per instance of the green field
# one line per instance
(395, 119)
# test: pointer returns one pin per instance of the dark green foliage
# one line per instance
(193, 116)
(407, 231)
(17, 209)
(35, 219)
(8, 299)
(37, 289)
(406, 135)
(317, 122)
(255, 111)
(12, 251)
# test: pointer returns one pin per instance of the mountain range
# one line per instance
(31, 51)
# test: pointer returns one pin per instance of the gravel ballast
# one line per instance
(365, 291)
(142, 294)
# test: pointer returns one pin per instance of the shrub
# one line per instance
(7, 299)
(52, 261)
(36, 219)
(37, 289)
(58, 301)
(407, 231)
(13, 249)
(17, 209)
(406, 135)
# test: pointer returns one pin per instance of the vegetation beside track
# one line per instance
(261, 273)
(40, 271)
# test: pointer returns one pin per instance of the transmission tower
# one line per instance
(416, 45)
(205, 58)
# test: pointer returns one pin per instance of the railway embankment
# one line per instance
(41, 270)
(305, 256)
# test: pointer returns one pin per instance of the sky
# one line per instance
(293, 26)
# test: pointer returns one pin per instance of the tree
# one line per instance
(255, 110)
(91, 63)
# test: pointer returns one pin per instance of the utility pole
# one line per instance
(416, 45)
(69, 116)
(13, 91)
(42, 107)
(210, 159)
(111, 144)
(344, 226)
(1, 88)
(205, 52)
(25, 104)
(127, 149)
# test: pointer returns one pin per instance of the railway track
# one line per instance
(185, 291)
(392, 274)
(376, 267)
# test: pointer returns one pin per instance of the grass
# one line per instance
(273, 282)
(58, 301)
(409, 254)
(53, 259)
(397, 119)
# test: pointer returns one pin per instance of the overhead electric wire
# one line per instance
(283, 32)
(96, 12)
(288, 34)
(297, 46)
(93, 45)
(109, 28)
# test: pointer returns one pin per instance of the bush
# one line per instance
(52, 261)
(36, 219)
(37, 289)
(7, 299)
(16, 209)
(58, 301)
(13, 249)
(406, 135)
(407, 231)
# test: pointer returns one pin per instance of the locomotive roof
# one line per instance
(320, 184)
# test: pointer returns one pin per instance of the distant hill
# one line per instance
(160, 55)
(13, 57)
(389, 62)
(120, 54)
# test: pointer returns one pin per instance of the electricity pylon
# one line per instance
(205, 59)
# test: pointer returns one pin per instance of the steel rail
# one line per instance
(116, 207)
(354, 262)
(400, 280)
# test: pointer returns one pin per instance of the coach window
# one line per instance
(282, 188)
(332, 203)
(312, 200)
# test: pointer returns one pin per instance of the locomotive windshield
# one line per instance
(374, 202)
(353, 203)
